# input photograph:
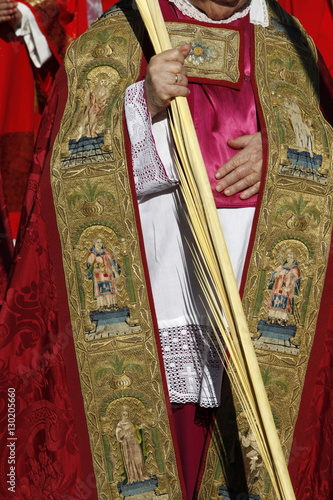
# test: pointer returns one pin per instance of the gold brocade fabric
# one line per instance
(214, 51)
(287, 269)
(113, 330)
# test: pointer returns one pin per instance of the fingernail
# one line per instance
(218, 187)
(217, 175)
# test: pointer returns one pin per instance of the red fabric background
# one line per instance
(23, 93)
(317, 19)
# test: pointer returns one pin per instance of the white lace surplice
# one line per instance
(192, 364)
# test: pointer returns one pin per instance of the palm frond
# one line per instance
(299, 207)
(219, 285)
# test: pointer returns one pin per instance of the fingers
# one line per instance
(251, 191)
(184, 49)
(241, 142)
(8, 10)
(166, 78)
(243, 177)
(246, 187)
(242, 173)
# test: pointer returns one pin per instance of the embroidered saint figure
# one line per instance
(95, 102)
(303, 129)
(130, 438)
(285, 284)
(103, 270)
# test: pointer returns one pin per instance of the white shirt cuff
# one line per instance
(34, 39)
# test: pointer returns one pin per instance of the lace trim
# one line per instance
(192, 365)
(257, 8)
(259, 13)
(149, 173)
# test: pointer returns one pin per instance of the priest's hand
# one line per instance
(9, 13)
(242, 173)
(166, 78)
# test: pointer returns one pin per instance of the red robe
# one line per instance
(317, 19)
(37, 358)
(23, 94)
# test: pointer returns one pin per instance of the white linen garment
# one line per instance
(34, 39)
(192, 364)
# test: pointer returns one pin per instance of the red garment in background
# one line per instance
(6, 244)
(317, 19)
(23, 93)
(107, 4)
